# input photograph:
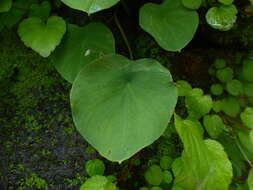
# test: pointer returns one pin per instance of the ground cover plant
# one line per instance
(113, 94)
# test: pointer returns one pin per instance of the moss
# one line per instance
(34, 182)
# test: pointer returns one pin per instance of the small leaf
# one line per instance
(42, 37)
(226, 2)
(80, 46)
(217, 106)
(216, 89)
(213, 125)
(111, 96)
(154, 175)
(98, 183)
(40, 10)
(192, 4)
(225, 75)
(95, 167)
(90, 6)
(247, 70)
(166, 162)
(248, 89)
(167, 177)
(247, 117)
(230, 106)
(5, 5)
(183, 88)
(172, 25)
(197, 104)
(234, 87)
(222, 18)
(219, 63)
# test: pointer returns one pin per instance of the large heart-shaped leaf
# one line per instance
(121, 106)
(42, 37)
(90, 6)
(80, 46)
(172, 25)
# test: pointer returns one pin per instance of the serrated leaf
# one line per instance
(5, 5)
(40, 10)
(90, 6)
(213, 125)
(172, 25)
(222, 18)
(205, 164)
(111, 96)
(42, 37)
(80, 46)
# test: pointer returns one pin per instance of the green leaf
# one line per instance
(234, 87)
(192, 4)
(219, 63)
(213, 125)
(247, 117)
(247, 70)
(217, 106)
(80, 46)
(166, 162)
(205, 165)
(222, 18)
(230, 106)
(156, 188)
(167, 177)
(172, 25)
(177, 188)
(250, 179)
(40, 10)
(98, 183)
(42, 37)
(5, 5)
(95, 167)
(183, 88)
(17, 11)
(246, 140)
(90, 6)
(143, 188)
(216, 89)
(197, 104)
(248, 88)
(154, 175)
(226, 2)
(225, 75)
(111, 96)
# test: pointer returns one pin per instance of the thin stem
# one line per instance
(123, 35)
(243, 153)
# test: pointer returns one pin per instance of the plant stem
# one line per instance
(123, 35)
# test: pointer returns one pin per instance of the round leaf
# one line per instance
(192, 4)
(230, 106)
(154, 175)
(234, 87)
(42, 37)
(90, 6)
(216, 89)
(247, 70)
(225, 75)
(247, 117)
(219, 63)
(80, 46)
(213, 125)
(121, 106)
(98, 183)
(226, 2)
(95, 167)
(172, 25)
(222, 18)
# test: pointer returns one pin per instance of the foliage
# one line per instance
(95, 167)
(173, 33)
(114, 81)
